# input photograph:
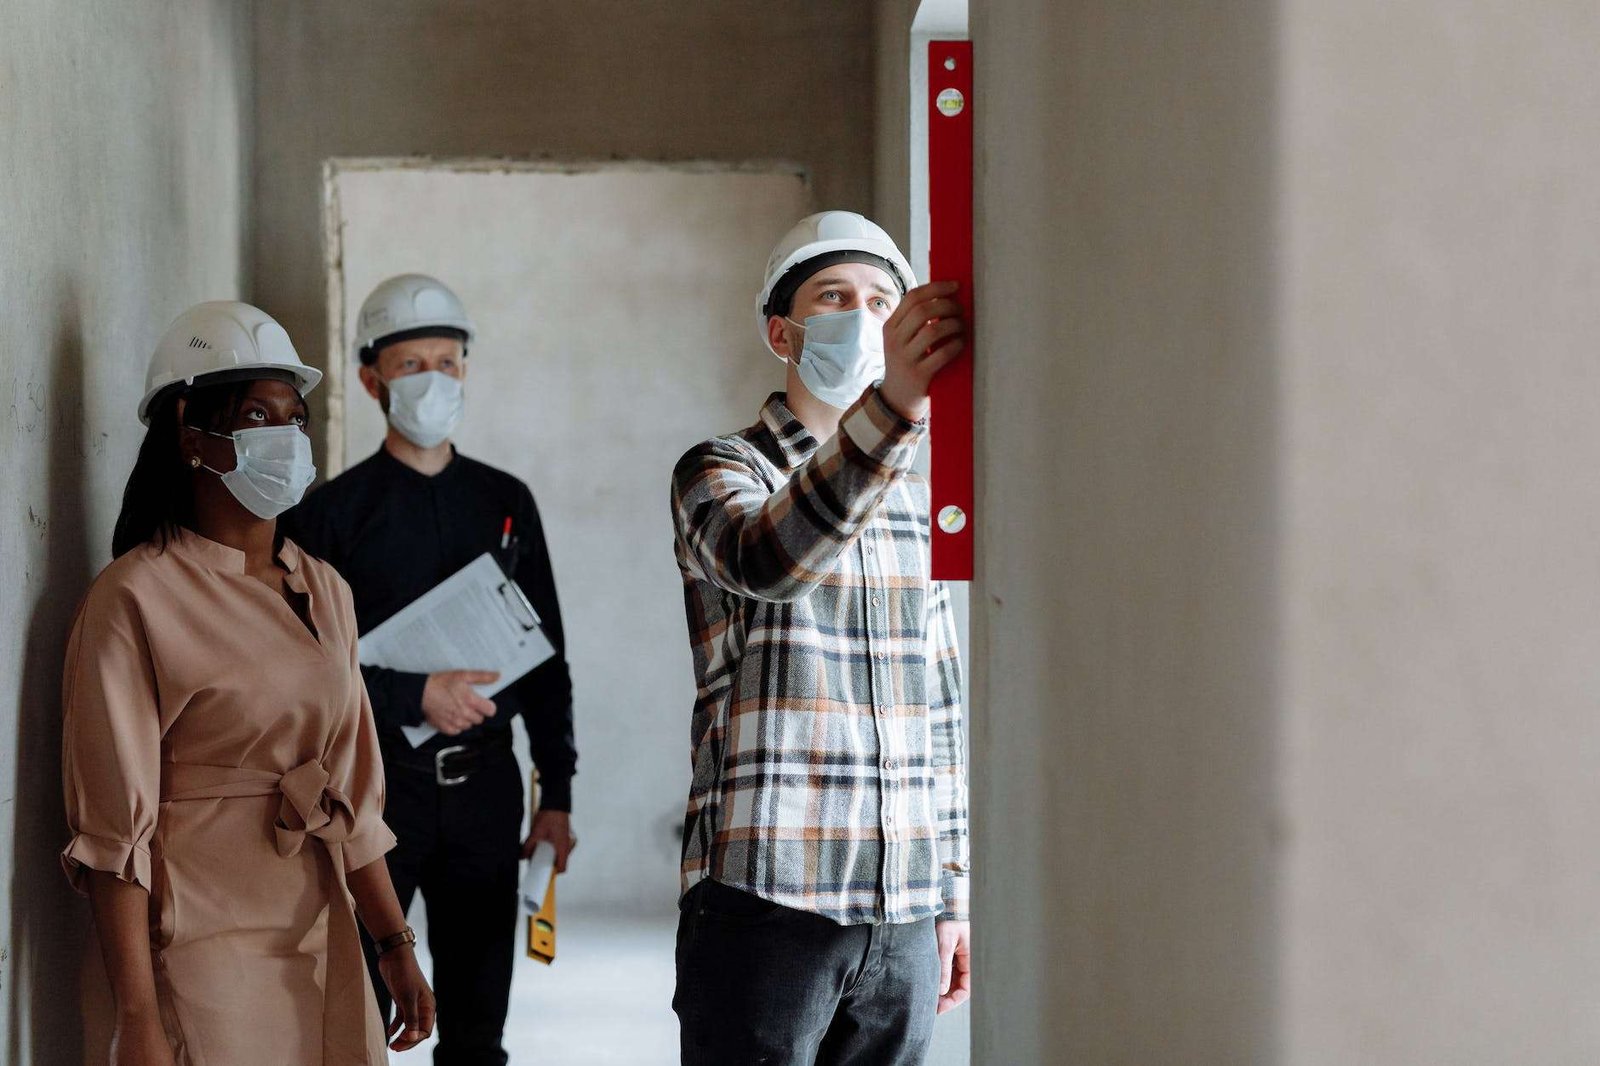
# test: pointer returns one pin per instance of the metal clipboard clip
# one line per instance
(518, 609)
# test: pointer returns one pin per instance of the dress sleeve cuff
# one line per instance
(367, 845)
(130, 862)
(880, 435)
(954, 888)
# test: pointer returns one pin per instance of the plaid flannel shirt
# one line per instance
(828, 764)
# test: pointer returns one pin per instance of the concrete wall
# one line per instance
(721, 80)
(1125, 603)
(1440, 245)
(1288, 402)
(891, 157)
(122, 135)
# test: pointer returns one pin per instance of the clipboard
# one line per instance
(475, 619)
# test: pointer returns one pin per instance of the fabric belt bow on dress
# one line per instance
(309, 807)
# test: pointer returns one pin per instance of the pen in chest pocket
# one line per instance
(508, 548)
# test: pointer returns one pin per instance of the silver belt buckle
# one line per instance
(439, 776)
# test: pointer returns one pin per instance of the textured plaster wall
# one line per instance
(123, 128)
(722, 80)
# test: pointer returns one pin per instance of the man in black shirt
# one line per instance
(395, 526)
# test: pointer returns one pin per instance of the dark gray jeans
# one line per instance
(760, 983)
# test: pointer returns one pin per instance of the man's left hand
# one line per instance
(555, 827)
(955, 963)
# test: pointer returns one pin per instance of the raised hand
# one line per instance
(920, 339)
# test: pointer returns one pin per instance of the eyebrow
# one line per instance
(830, 280)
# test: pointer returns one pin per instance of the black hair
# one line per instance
(159, 497)
(781, 301)
(369, 354)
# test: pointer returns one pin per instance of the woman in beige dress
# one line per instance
(223, 784)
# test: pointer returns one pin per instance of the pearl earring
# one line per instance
(194, 461)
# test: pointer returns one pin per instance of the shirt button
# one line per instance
(869, 549)
(888, 764)
(877, 601)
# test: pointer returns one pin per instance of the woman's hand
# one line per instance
(413, 999)
(379, 910)
(140, 1042)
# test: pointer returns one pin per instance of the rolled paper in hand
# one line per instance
(536, 878)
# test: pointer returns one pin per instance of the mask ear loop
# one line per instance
(199, 464)
(801, 327)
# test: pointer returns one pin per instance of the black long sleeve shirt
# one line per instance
(393, 534)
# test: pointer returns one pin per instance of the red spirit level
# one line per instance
(950, 259)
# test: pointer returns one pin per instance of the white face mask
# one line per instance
(272, 468)
(842, 355)
(426, 408)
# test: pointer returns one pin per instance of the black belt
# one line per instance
(454, 763)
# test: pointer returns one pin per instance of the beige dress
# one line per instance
(222, 756)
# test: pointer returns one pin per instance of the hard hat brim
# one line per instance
(305, 377)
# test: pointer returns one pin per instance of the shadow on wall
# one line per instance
(47, 920)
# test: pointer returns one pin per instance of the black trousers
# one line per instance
(460, 845)
(760, 983)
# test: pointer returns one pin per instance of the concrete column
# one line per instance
(1438, 234)
(1124, 725)
(1285, 620)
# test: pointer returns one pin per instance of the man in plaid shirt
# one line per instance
(824, 908)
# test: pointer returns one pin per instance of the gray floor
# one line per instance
(607, 1000)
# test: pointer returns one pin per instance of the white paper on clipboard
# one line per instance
(476, 619)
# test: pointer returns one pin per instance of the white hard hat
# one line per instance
(217, 337)
(406, 302)
(821, 234)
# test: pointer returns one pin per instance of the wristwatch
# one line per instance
(389, 943)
